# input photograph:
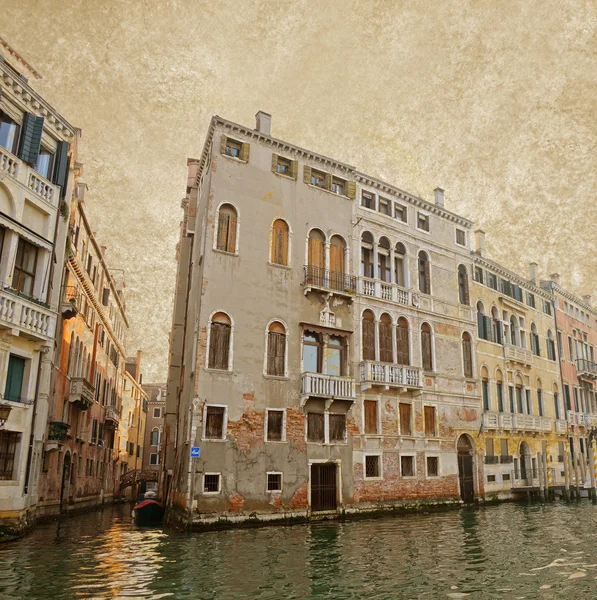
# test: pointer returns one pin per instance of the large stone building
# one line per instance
(321, 340)
(37, 145)
(156, 400)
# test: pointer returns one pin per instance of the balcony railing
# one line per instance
(491, 420)
(574, 418)
(506, 421)
(492, 460)
(518, 355)
(327, 386)
(506, 459)
(521, 422)
(58, 431)
(391, 375)
(385, 291)
(586, 368)
(31, 317)
(81, 392)
(111, 416)
(561, 426)
(317, 277)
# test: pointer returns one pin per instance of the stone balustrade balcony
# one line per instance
(586, 368)
(81, 392)
(320, 385)
(391, 375)
(33, 319)
(111, 417)
(391, 292)
(518, 354)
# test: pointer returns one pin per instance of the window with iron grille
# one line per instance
(490, 478)
(432, 466)
(315, 427)
(211, 482)
(8, 447)
(274, 482)
(372, 466)
(275, 423)
(407, 466)
(214, 422)
(337, 425)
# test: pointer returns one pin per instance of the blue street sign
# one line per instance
(195, 452)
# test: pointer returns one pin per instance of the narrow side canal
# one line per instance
(507, 551)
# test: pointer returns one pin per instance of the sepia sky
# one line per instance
(496, 102)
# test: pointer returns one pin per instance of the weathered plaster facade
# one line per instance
(156, 402)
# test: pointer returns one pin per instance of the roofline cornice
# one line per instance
(560, 290)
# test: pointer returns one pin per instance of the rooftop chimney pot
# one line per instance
(263, 123)
(480, 241)
(439, 197)
(533, 271)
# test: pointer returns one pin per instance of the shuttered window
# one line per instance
(337, 255)
(426, 352)
(316, 256)
(30, 140)
(275, 421)
(467, 355)
(214, 422)
(315, 427)
(227, 224)
(407, 466)
(463, 293)
(368, 335)
(424, 275)
(485, 392)
(429, 412)
(337, 425)
(280, 242)
(405, 418)
(370, 416)
(402, 342)
(14, 378)
(219, 342)
(386, 350)
(23, 278)
(276, 350)
(9, 133)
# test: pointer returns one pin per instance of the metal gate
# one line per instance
(323, 486)
(465, 474)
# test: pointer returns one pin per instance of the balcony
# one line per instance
(111, 417)
(31, 318)
(318, 385)
(523, 422)
(586, 368)
(28, 177)
(58, 431)
(518, 355)
(561, 426)
(390, 375)
(506, 459)
(492, 460)
(506, 421)
(491, 420)
(71, 302)
(317, 278)
(81, 392)
(574, 418)
(384, 291)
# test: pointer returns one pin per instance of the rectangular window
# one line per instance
(489, 449)
(485, 391)
(370, 416)
(429, 412)
(461, 237)
(372, 466)
(400, 213)
(368, 200)
(44, 163)
(9, 133)
(506, 477)
(275, 425)
(478, 276)
(311, 353)
(500, 396)
(211, 483)
(385, 206)
(407, 466)
(8, 448)
(154, 437)
(492, 281)
(433, 466)
(405, 419)
(338, 186)
(23, 277)
(567, 397)
(214, 422)
(547, 307)
(233, 148)
(157, 412)
(504, 447)
(14, 378)
(531, 299)
(276, 353)
(274, 482)
(422, 222)
(337, 425)
(283, 166)
(317, 178)
(153, 459)
(540, 402)
(490, 478)
(315, 427)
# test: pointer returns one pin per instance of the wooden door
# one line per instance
(465, 475)
(323, 487)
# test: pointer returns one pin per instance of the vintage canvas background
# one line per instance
(494, 101)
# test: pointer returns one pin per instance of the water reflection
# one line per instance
(507, 551)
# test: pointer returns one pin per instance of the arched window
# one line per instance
(368, 335)
(227, 225)
(337, 255)
(383, 260)
(219, 342)
(276, 349)
(279, 253)
(499, 384)
(498, 333)
(426, 348)
(316, 256)
(535, 347)
(467, 354)
(155, 437)
(540, 406)
(402, 342)
(424, 273)
(551, 345)
(463, 295)
(386, 346)
(514, 331)
(400, 265)
(519, 395)
(485, 388)
(367, 265)
(484, 325)
(556, 401)
(71, 354)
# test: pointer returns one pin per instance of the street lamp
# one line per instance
(4, 413)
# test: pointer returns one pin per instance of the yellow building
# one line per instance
(524, 424)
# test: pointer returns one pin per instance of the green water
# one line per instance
(508, 551)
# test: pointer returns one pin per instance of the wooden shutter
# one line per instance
(294, 169)
(223, 223)
(60, 174)
(219, 346)
(368, 339)
(468, 358)
(481, 325)
(328, 181)
(316, 253)
(467, 299)
(430, 420)
(351, 189)
(488, 328)
(307, 174)
(370, 416)
(405, 410)
(402, 343)
(231, 245)
(244, 152)
(214, 422)
(14, 378)
(336, 258)
(223, 142)
(426, 350)
(386, 353)
(275, 163)
(276, 350)
(274, 425)
(499, 332)
(30, 140)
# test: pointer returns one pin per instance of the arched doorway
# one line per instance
(465, 469)
(65, 479)
(525, 461)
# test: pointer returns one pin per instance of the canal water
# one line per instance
(507, 551)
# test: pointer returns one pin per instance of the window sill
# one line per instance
(275, 441)
(272, 264)
(284, 176)
(276, 377)
(221, 371)
(217, 250)
(234, 159)
(432, 477)
(423, 231)
(273, 491)
(214, 440)
(211, 493)
(393, 219)
(372, 478)
(408, 477)
(323, 189)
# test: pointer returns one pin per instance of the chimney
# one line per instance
(104, 249)
(555, 277)
(480, 241)
(263, 123)
(80, 191)
(138, 366)
(439, 197)
(533, 271)
(587, 299)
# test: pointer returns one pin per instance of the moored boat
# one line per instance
(148, 512)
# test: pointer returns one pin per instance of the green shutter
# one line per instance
(60, 173)
(14, 378)
(306, 174)
(30, 138)
(274, 163)
(328, 181)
